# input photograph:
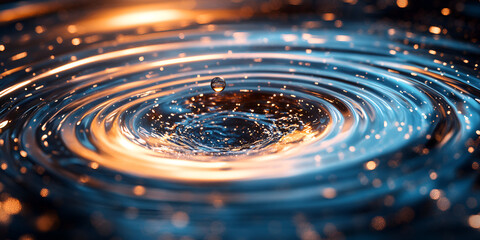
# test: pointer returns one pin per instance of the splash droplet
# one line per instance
(218, 84)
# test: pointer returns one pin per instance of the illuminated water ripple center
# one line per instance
(313, 126)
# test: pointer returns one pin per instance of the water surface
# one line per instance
(322, 131)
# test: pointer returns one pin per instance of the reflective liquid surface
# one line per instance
(311, 131)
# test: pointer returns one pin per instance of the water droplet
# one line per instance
(218, 84)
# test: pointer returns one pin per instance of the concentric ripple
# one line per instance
(320, 122)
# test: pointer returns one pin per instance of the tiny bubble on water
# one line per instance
(218, 84)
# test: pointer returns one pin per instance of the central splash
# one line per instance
(237, 122)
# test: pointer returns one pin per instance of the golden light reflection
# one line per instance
(160, 17)
(474, 221)
(328, 17)
(19, 56)
(435, 194)
(329, 193)
(435, 30)
(402, 3)
(44, 192)
(144, 17)
(4, 123)
(139, 190)
(11, 206)
(445, 11)
(370, 165)
(29, 10)
(343, 38)
(378, 223)
(46, 222)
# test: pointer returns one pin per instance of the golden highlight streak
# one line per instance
(27, 10)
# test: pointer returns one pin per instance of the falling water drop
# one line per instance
(218, 84)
